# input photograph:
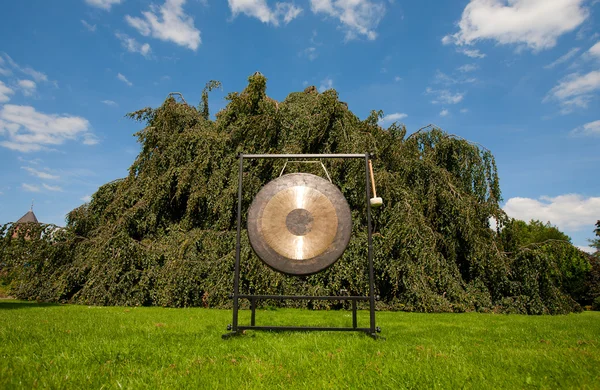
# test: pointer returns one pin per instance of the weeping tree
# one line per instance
(165, 234)
(593, 279)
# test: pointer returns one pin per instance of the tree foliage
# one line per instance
(595, 243)
(517, 234)
(593, 280)
(165, 234)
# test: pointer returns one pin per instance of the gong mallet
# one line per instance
(375, 201)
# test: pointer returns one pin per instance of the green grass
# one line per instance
(56, 346)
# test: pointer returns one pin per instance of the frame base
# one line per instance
(241, 330)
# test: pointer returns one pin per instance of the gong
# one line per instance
(299, 224)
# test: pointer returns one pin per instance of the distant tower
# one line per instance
(29, 217)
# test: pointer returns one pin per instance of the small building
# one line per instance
(29, 217)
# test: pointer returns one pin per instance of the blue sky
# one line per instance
(521, 77)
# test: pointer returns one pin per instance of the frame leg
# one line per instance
(236, 277)
(370, 248)
(354, 321)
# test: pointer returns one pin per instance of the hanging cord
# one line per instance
(306, 162)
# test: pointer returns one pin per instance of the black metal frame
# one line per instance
(236, 329)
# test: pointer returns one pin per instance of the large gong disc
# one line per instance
(299, 224)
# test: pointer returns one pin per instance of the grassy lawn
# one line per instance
(65, 346)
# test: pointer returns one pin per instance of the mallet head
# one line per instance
(376, 202)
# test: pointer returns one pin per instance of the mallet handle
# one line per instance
(372, 179)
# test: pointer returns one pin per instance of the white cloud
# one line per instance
(397, 78)
(442, 78)
(4, 71)
(30, 187)
(27, 87)
(326, 84)
(444, 96)
(86, 198)
(534, 23)
(468, 68)
(464, 110)
(40, 174)
(587, 249)
(90, 27)
(444, 112)
(90, 139)
(28, 130)
(260, 10)
(34, 161)
(310, 53)
(139, 24)
(473, 53)
(568, 212)
(52, 188)
(391, 118)
(124, 79)
(254, 8)
(103, 4)
(357, 17)
(575, 90)
(109, 103)
(589, 129)
(37, 76)
(564, 58)
(595, 50)
(4, 92)
(173, 24)
(21, 147)
(133, 46)
(288, 11)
